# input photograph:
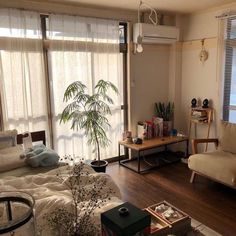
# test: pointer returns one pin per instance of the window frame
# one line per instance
(123, 50)
(229, 42)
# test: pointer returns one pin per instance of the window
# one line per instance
(229, 102)
(22, 74)
(74, 48)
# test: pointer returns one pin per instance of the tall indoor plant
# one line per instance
(89, 112)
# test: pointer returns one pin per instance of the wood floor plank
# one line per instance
(208, 202)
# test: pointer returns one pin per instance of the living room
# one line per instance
(160, 73)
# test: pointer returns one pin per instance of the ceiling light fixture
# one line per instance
(139, 47)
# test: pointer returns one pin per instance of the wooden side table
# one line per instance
(148, 145)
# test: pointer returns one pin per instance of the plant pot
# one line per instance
(167, 127)
(99, 168)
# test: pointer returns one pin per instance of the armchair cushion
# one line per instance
(227, 137)
(218, 165)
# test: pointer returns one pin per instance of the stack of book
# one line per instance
(199, 116)
(150, 128)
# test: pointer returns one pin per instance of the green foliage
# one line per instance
(88, 112)
(165, 112)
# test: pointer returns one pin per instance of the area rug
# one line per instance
(200, 229)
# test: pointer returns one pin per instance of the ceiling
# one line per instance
(179, 6)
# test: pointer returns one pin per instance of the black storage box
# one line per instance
(136, 222)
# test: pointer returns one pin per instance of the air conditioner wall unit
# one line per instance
(154, 34)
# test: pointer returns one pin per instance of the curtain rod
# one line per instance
(226, 16)
(48, 13)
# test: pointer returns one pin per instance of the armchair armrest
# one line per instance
(195, 142)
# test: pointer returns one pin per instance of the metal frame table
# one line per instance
(147, 145)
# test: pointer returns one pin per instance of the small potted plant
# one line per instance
(88, 112)
(166, 112)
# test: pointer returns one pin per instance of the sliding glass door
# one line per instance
(88, 51)
(41, 55)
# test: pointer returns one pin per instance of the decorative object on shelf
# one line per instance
(128, 140)
(137, 140)
(127, 137)
(173, 132)
(27, 141)
(138, 46)
(203, 55)
(205, 103)
(127, 134)
(17, 213)
(166, 112)
(89, 112)
(194, 102)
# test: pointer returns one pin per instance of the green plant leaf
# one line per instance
(88, 112)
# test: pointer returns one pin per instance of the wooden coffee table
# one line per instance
(148, 145)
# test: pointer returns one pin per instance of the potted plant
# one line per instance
(166, 112)
(88, 112)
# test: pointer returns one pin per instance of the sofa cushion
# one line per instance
(227, 137)
(8, 138)
(218, 165)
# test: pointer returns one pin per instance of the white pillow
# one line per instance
(8, 138)
(10, 158)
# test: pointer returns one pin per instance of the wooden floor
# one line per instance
(208, 202)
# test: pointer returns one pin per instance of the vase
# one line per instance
(167, 127)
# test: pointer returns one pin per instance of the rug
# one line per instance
(200, 229)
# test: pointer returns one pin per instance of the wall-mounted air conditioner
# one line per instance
(161, 34)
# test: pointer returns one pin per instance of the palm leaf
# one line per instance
(73, 89)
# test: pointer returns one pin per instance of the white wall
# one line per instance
(200, 80)
(149, 81)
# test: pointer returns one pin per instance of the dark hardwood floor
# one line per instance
(208, 202)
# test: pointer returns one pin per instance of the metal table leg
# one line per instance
(119, 153)
(139, 162)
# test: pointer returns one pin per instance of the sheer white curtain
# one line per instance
(22, 77)
(84, 49)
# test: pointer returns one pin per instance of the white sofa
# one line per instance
(219, 165)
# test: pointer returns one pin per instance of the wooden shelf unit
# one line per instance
(207, 122)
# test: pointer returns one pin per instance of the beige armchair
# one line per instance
(218, 165)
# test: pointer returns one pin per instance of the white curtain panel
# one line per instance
(85, 49)
(22, 77)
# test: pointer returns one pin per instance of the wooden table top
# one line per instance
(152, 143)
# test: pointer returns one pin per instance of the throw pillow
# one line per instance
(227, 137)
(10, 158)
(8, 138)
